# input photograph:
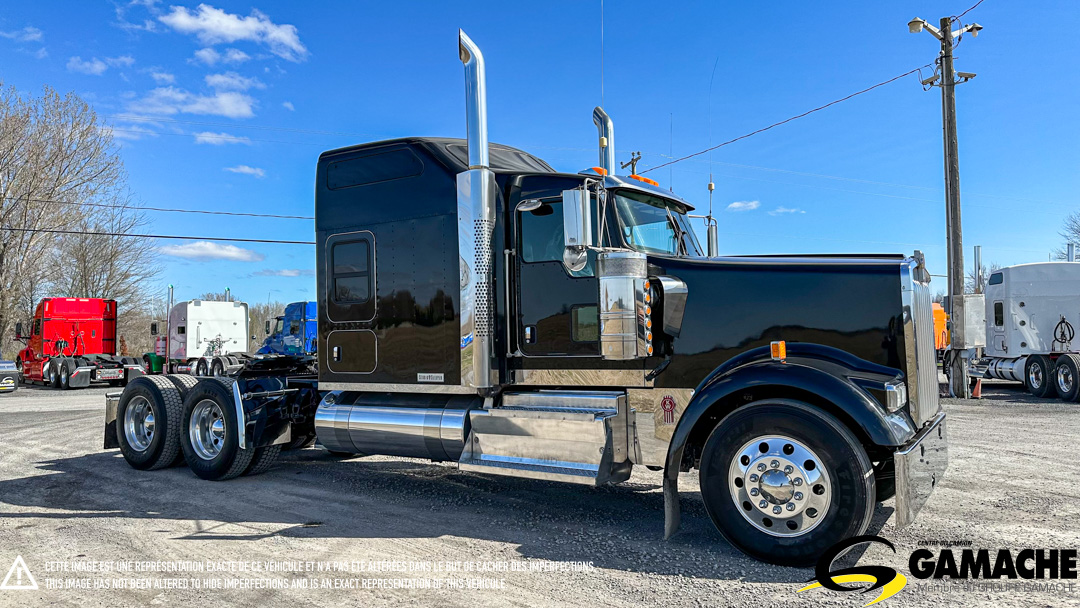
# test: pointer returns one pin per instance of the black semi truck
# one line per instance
(478, 307)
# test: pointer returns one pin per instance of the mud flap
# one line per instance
(672, 514)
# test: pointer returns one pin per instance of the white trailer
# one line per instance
(207, 338)
(1032, 312)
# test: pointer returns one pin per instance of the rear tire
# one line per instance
(200, 368)
(1067, 377)
(791, 457)
(67, 367)
(1038, 375)
(264, 458)
(183, 383)
(54, 373)
(154, 443)
(217, 369)
(211, 439)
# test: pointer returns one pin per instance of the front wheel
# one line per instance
(784, 481)
(211, 440)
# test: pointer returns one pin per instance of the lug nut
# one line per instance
(775, 464)
(753, 491)
(797, 481)
(777, 510)
(798, 495)
(788, 469)
(790, 506)
(753, 477)
(763, 504)
(761, 467)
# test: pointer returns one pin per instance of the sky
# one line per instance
(226, 106)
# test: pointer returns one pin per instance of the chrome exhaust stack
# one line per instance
(606, 130)
(476, 225)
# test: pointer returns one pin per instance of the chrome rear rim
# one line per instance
(1065, 379)
(207, 429)
(139, 423)
(779, 485)
(1035, 376)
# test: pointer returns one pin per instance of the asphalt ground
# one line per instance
(374, 531)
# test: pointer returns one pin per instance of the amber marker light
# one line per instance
(779, 350)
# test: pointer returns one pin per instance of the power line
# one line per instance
(973, 7)
(161, 209)
(157, 236)
(787, 120)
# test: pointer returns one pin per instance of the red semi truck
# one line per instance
(72, 342)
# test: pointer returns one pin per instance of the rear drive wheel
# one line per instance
(183, 383)
(67, 368)
(200, 368)
(149, 423)
(211, 440)
(784, 481)
(1067, 377)
(264, 458)
(1038, 375)
(54, 373)
(217, 369)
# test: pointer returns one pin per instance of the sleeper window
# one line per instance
(351, 262)
(999, 314)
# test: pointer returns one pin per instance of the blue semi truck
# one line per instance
(293, 333)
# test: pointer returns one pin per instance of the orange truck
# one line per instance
(941, 327)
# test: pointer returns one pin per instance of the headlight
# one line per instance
(895, 395)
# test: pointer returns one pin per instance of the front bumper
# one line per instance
(920, 465)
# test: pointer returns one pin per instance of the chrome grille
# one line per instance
(921, 372)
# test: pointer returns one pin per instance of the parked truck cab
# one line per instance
(293, 333)
(479, 307)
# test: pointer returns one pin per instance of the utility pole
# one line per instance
(634, 158)
(959, 381)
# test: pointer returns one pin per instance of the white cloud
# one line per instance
(26, 34)
(94, 67)
(40, 53)
(288, 106)
(743, 205)
(214, 26)
(219, 139)
(171, 100)
(231, 81)
(210, 56)
(246, 170)
(285, 272)
(162, 77)
(206, 250)
(786, 211)
(122, 61)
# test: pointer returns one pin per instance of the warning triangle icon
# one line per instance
(19, 577)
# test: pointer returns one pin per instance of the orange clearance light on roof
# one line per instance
(599, 170)
(779, 350)
(642, 178)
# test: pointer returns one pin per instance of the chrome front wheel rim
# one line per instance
(139, 423)
(207, 429)
(780, 486)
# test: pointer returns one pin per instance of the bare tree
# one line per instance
(58, 167)
(1070, 232)
(970, 278)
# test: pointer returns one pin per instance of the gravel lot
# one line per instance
(64, 501)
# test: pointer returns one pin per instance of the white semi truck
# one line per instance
(203, 338)
(1032, 312)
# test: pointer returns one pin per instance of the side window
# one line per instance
(351, 264)
(996, 278)
(584, 324)
(180, 329)
(294, 328)
(350, 286)
(542, 237)
(37, 327)
(999, 314)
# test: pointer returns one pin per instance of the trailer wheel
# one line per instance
(1067, 377)
(149, 423)
(264, 458)
(783, 481)
(211, 439)
(1038, 375)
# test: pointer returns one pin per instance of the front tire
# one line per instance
(1038, 375)
(211, 440)
(1067, 377)
(787, 456)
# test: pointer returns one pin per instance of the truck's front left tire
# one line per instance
(211, 440)
(149, 423)
(783, 481)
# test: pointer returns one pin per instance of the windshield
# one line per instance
(651, 224)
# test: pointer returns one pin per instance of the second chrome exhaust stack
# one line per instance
(606, 131)
(476, 225)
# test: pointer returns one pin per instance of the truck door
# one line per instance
(557, 309)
